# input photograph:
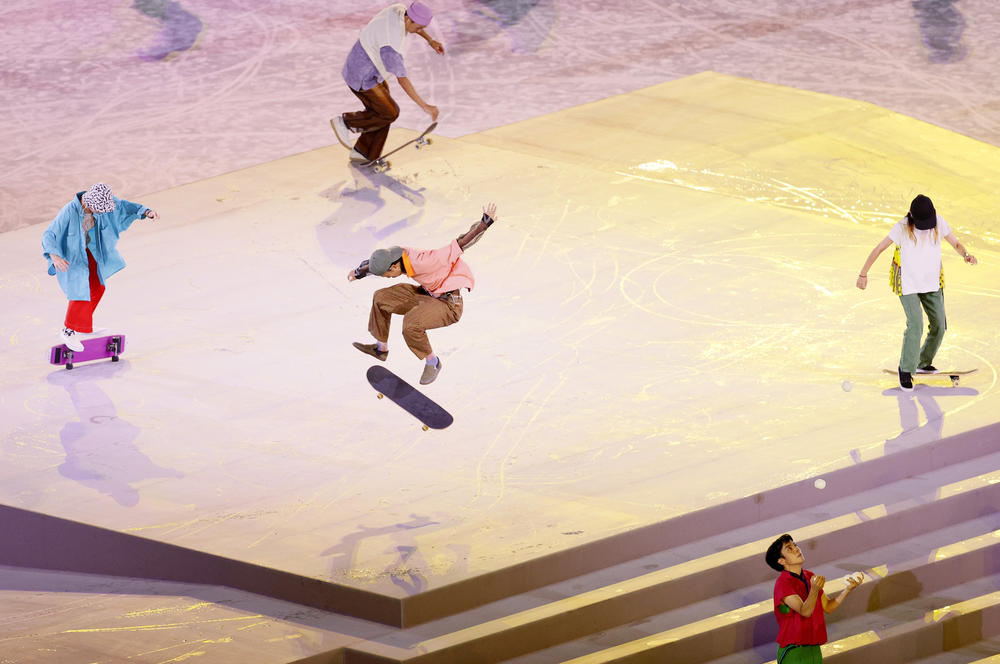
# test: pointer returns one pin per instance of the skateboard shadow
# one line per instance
(405, 572)
(101, 453)
(379, 181)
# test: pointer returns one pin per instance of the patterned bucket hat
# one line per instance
(99, 198)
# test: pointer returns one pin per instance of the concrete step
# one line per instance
(895, 556)
(938, 631)
(680, 585)
(752, 626)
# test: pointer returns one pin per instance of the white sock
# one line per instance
(431, 360)
(381, 346)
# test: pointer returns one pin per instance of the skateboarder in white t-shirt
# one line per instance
(917, 277)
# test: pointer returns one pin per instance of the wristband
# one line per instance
(487, 219)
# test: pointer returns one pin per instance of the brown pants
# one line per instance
(420, 312)
(380, 112)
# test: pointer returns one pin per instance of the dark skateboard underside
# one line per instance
(408, 398)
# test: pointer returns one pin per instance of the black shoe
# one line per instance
(905, 380)
(930, 368)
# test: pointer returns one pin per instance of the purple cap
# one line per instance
(420, 13)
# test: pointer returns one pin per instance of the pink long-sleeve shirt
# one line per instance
(438, 270)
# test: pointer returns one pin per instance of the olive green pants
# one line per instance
(913, 355)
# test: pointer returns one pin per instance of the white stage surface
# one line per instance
(664, 320)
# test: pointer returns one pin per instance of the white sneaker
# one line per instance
(357, 156)
(70, 338)
(342, 131)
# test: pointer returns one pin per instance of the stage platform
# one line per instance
(664, 321)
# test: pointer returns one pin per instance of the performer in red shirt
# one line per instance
(798, 593)
(436, 302)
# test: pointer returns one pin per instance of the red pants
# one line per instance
(80, 313)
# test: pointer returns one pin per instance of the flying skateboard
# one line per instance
(97, 348)
(382, 164)
(955, 376)
(408, 398)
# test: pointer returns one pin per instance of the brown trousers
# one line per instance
(420, 312)
(380, 112)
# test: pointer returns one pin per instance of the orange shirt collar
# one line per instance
(407, 265)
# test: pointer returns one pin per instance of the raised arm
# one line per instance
(435, 44)
(876, 252)
(470, 237)
(966, 256)
(830, 605)
(806, 608)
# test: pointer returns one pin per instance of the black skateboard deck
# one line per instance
(408, 398)
(955, 376)
(382, 164)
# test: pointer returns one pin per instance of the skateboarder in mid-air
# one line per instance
(81, 246)
(378, 53)
(436, 302)
(917, 277)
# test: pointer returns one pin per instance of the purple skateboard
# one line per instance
(93, 349)
(408, 398)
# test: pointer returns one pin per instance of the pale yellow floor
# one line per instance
(665, 318)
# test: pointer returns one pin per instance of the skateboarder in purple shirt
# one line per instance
(377, 54)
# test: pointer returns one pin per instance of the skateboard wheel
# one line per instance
(425, 427)
(114, 358)
(380, 396)
(69, 365)
(954, 381)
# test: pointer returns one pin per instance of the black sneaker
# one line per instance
(905, 380)
(930, 368)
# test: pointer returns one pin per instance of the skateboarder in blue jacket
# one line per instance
(81, 246)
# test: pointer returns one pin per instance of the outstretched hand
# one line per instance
(490, 211)
(436, 45)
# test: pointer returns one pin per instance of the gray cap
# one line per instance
(382, 259)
